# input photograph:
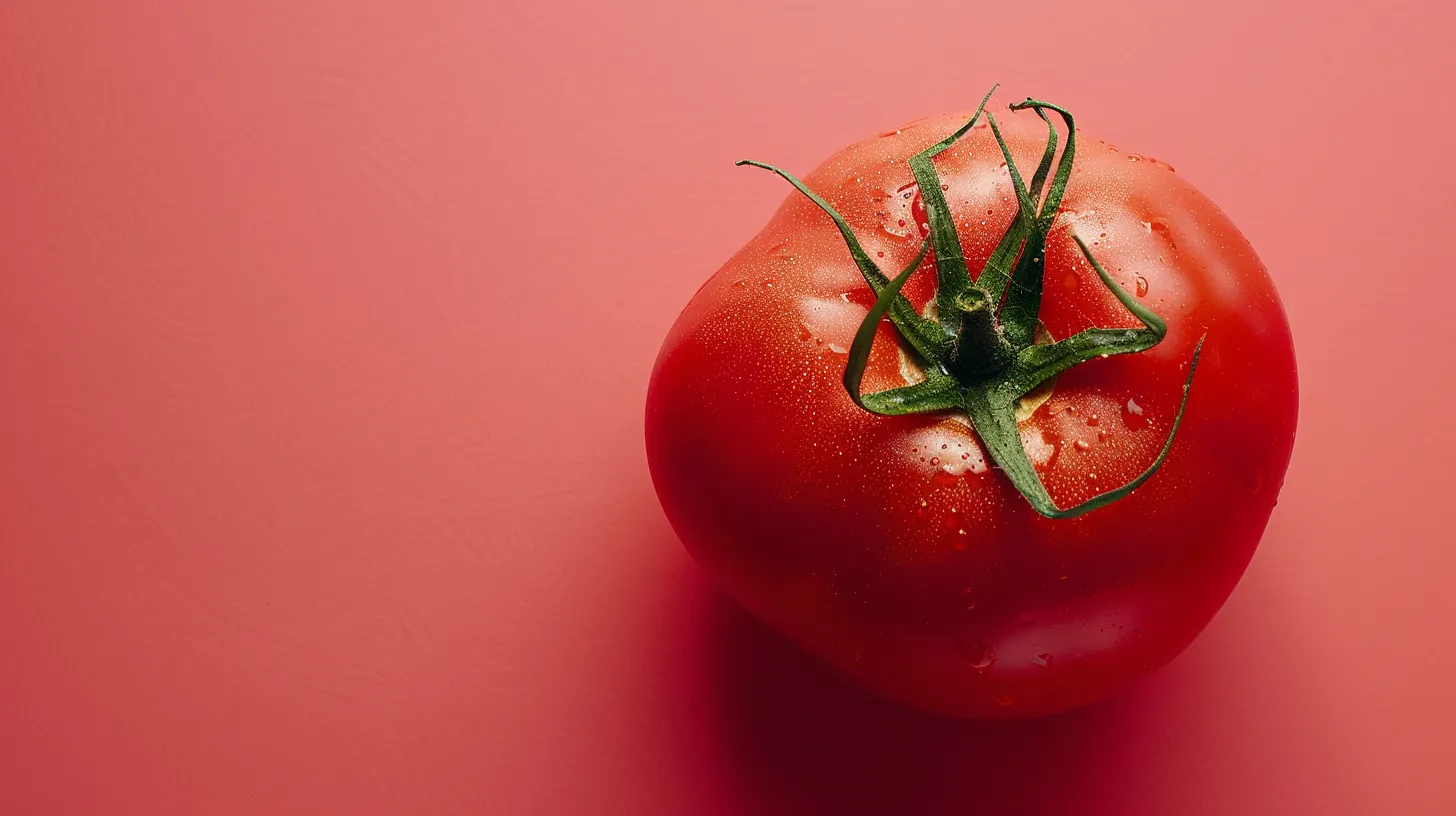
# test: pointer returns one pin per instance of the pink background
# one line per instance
(325, 327)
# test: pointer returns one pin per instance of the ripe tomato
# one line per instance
(911, 552)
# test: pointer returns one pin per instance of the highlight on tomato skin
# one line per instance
(995, 449)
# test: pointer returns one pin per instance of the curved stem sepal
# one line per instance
(922, 333)
(995, 423)
(937, 393)
(954, 279)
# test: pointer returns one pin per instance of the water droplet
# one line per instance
(838, 349)
(1132, 416)
(1070, 282)
(1142, 286)
(768, 283)
(935, 460)
(1003, 700)
(1132, 157)
(1255, 481)
(902, 221)
(945, 186)
(1092, 477)
(920, 511)
(942, 477)
(1082, 445)
(881, 253)
(804, 333)
(1042, 446)
(965, 456)
(980, 654)
(740, 283)
(1043, 660)
(1160, 227)
(1094, 420)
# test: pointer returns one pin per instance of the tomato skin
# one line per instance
(890, 547)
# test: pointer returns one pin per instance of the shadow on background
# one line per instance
(802, 740)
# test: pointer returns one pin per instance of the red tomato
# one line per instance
(896, 548)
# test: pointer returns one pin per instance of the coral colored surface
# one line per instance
(325, 328)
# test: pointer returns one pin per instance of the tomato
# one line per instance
(910, 552)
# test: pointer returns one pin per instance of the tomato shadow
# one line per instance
(800, 739)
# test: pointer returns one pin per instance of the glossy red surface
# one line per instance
(325, 332)
(890, 546)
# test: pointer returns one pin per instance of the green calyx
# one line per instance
(979, 353)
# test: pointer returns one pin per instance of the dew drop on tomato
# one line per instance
(1133, 416)
(979, 654)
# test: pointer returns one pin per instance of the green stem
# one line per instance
(981, 349)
